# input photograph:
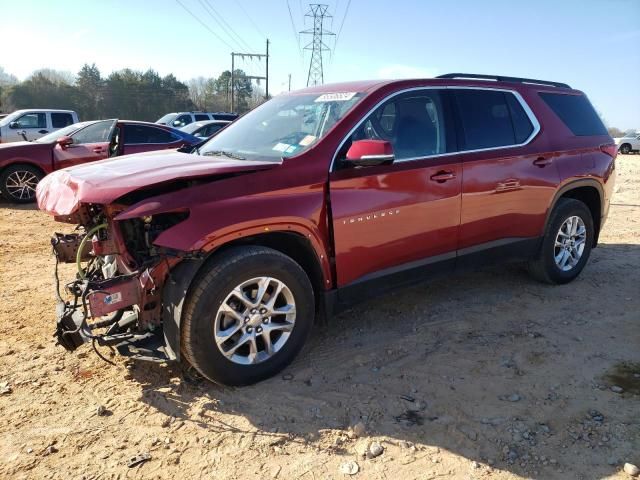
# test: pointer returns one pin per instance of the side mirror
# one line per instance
(177, 123)
(14, 125)
(365, 153)
(65, 142)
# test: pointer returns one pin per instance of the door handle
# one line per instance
(98, 150)
(43, 131)
(542, 162)
(442, 177)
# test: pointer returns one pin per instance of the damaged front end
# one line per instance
(115, 299)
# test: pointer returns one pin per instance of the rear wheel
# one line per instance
(18, 183)
(566, 245)
(247, 316)
(625, 148)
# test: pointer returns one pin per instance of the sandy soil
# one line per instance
(482, 375)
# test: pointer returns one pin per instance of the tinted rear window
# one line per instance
(576, 112)
(485, 119)
(60, 119)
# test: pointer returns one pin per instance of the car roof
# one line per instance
(54, 110)
(369, 86)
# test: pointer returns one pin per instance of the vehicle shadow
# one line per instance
(488, 365)
(17, 206)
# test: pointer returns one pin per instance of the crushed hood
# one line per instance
(61, 192)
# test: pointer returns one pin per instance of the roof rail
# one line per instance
(500, 78)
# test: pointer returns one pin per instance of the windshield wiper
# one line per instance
(224, 153)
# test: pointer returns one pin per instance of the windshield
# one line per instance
(282, 127)
(167, 119)
(10, 118)
(192, 127)
(66, 131)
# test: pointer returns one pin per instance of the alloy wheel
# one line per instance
(21, 185)
(570, 243)
(255, 320)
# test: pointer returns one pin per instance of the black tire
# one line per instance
(8, 177)
(543, 266)
(210, 288)
(625, 148)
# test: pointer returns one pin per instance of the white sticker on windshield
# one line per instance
(281, 147)
(308, 140)
(335, 97)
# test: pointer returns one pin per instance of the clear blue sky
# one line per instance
(592, 45)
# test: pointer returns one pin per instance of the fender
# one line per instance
(25, 161)
(288, 225)
(572, 185)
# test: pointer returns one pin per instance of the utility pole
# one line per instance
(289, 82)
(318, 12)
(266, 88)
(242, 56)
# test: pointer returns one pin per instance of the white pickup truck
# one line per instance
(629, 143)
(34, 123)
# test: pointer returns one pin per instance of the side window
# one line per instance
(141, 134)
(485, 119)
(201, 116)
(413, 122)
(522, 126)
(61, 120)
(182, 120)
(95, 133)
(32, 120)
(576, 112)
(213, 128)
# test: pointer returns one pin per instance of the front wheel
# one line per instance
(566, 245)
(247, 315)
(18, 183)
(625, 148)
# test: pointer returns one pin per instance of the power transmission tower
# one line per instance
(318, 12)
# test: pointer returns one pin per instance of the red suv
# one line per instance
(225, 255)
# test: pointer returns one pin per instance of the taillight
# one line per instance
(610, 149)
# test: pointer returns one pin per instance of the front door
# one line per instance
(391, 219)
(91, 143)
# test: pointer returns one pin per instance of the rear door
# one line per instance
(391, 219)
(508, 182)
(143, 138)
(89, 144)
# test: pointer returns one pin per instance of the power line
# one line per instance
(219, 19)
(346, 12)
(204, 25)
(251, 20)
(293, 26)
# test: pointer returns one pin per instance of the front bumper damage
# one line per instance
(120, 311)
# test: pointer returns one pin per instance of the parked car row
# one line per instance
(181, 119)
(24, 164)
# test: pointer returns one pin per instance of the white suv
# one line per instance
(34, 123)
(180, 119)
(629, 143)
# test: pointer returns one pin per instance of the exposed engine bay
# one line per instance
(115, 298)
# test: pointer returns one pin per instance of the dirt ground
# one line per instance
(482, 375)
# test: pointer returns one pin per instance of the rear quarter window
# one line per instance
(576, 112)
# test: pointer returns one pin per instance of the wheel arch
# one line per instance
(589, 192)
(181, 277)
(24, 162)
